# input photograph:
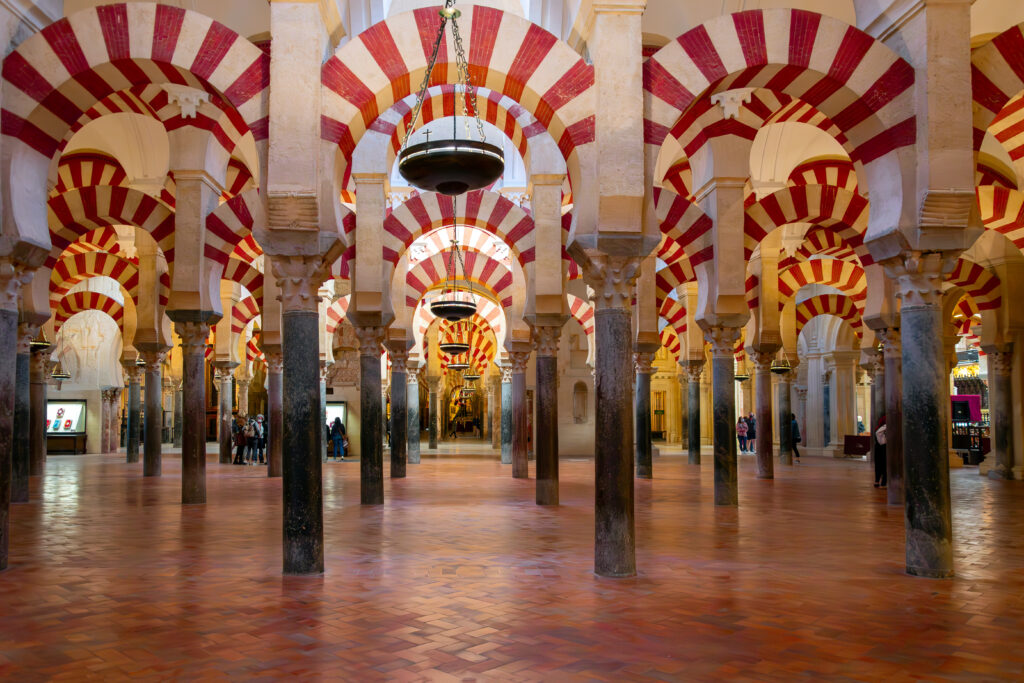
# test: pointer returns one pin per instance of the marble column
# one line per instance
(224, 418)
(242, 383)
(520, 435)
(693, 373)
(644, 364)
(134, 409)
(506, 415)
(723, 344)
(546, 340)
(785, 418)
(412, 399)
(399, 411)
(433, 386)
(179, 406)
(1000, 408)
(20, 465)
(925, 441)
(37, 411)
(371, 416)
(275, 416)
(152, 453)
(877, 398)
(894, 423)
(495, 412)
(105, 420)
(194, 330)
(324, 365)
(765, 458)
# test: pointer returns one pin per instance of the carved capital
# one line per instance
(299, 279)
(801, 393)
(153, 359)
(399, 359)
(613, 279)
(433, 384)
(193, 337)
(545, 340)
(275, 362)
(694, 372)
(26, 333)
(918, 277)
(762, 360)
(1001, 362)
(643, 362)
(39, 365)
(13, 276)
(519, 361)
(133, 371)
(890, 338)
(187, 99)
(506, 373)
(370, 338)
(722, 340)
(877, 364)
(412, 377)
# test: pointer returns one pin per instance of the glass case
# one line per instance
(65, 426)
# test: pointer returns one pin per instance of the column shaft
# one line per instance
(399, 419)
(765, 458)
(37, 414)
(193, 440)
(506, 418)
(8, 371)
(134, 416)
(303, 527)
(785, 421)
(412, 400)
(547, 414)
(693, 414)
(894, 422)
(723, 340)
(432, 416)
(275, 417)
(371, 417)
(520, 464)
(1001, 412)
(179, 406)
(224, 415)
(642, 403)
(152, 454)
(20, 457)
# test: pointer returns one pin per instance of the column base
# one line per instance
(930, 573)
(1000, 473)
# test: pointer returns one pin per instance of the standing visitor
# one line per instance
(794, 430)
(751, 432)
(261, 439)
(881, 476)
(337, 439)
(238, 430)
(741, 433)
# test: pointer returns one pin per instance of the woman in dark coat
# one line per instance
(881, 475)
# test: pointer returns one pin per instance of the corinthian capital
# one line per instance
(644, 363)
(299, 279)
(13, 276)
(613, 279)
(519, 360)
(26, 333)
(1001, 362)
(762, 360)
(153, 359)
(919, 276)
(370, 338)
(193, 336)
(723, 340)
(693, 372)
(545, 339)
(891, 346)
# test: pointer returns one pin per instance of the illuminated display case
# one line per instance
(65, 426)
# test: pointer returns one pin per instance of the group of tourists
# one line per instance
(746, 431)
(250, 439)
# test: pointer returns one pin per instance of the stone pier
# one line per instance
(693, 373)
(644, 364)
(520, 434)
(546, 340)
(723, 344)
(194, 328)
(371, 416)
(152, 454)
(891, 348)
(765, 458)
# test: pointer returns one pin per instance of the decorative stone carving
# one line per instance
(643, 362)
(275, 362)
(299, 279)
(731, 100)
(13, 277)
(722, 340)
(694, 372)
(762, 360)
(545, 340)
(152, 359)
(519, 361)
(506, 373)
(890, 338)
(187, 99)
(612, 279)
(919, 277)
(39, 363)
(133, 372)
(399, 358)
(26, 333)
(877, 365)
(370, 339)
(193, 336)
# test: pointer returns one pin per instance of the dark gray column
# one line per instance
(506, 415)
(433, 385)
(412, 399)
(194, 329)
(643, 362)
(323, 409)
(224, 418)
(371, 416)
(1000, 405)
(785, 421)
(179, 406)
(275, 410)
(134, 409)
(546, 338)
(20, 456)
(765, 458)
(8, 370)
(894, 423)
(925, 440)
(303, 430)
(37, 411)
(693, 373)
(399, 412)
(723, 343)
(520, 464)
(152, 453)
(877, 398)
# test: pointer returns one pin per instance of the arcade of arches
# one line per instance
(810, 215)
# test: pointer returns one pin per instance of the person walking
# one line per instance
(250, 441)
(261, 440)
(751, 433)
(238, 432)
(741, 433)
(338, 438)
(881, 475)
(794, 431)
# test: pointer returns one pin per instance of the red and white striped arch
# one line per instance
(986, 174)
(336, 313)
(244, 274)
(823, 205)
(488, 311)
(82, 169)
(87, 301)
(229, 224)
(488, 211)
(671, 277)
(843, 275)
(854, 80)
(997, 78)
(506, 54)
(75, 213)
(1002, 210)
(966, 314)
(102, 239)
(480, 269)
(58, 74)
(248, 250)
(686, 226)
(73, 268)
(253, 351)
(983, 286)
(243, 313)
(835, 172)
(830, 304)
(673, 313)
(670, 340)
(582, 312)
(820, 241)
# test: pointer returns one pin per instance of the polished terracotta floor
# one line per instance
(461, 577)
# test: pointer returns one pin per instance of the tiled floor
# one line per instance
(459, 576)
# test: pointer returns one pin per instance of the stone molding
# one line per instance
(643, 362)
(891, 346)
(545, 340)
(299, 279)
(370, 339)
(193, 336)
(722, 340)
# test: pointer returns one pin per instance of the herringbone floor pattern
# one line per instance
(461, 577)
